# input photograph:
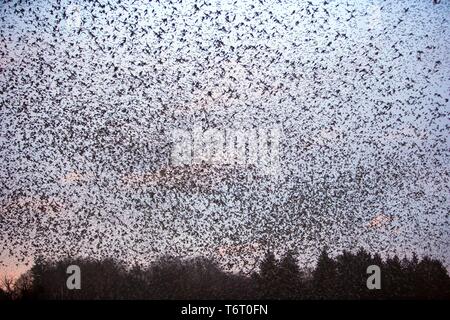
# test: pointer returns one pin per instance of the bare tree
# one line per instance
(23, 286)
(7, 285)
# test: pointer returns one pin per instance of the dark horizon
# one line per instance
(341, 277)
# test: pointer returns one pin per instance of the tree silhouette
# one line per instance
(289, 277)
(341, 277)
(324, 277)
(268, 282)
(432, 280)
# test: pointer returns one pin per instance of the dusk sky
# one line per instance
(91, 94)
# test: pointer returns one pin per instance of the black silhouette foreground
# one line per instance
(341, 277)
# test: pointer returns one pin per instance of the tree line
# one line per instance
(340, 277)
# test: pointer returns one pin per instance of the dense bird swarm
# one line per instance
(91, 92)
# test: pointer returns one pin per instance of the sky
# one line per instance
(91, 94)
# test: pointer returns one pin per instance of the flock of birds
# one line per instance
(91, 92)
